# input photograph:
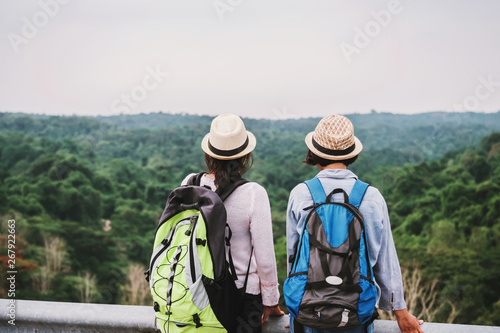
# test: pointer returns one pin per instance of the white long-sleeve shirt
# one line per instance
(249, 217)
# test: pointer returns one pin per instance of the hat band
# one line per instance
(331, 151)
(228, 152)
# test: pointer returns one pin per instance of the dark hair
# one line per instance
(313, 159)
(227, 170)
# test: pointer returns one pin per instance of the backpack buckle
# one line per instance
(197, 321)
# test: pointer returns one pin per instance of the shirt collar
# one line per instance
(336, 173)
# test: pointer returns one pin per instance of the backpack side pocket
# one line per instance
(293, 291)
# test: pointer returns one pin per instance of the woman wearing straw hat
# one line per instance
(228, 155)
(332, 147)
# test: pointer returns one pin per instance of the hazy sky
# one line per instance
(258, 58)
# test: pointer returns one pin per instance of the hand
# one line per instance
(271, 311)
(407, 322)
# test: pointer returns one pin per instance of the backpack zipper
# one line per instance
(330, 304)
(192, 220)
(349, 207)
(165, 220)
(356, 213)
(191, 231)
(166, 243)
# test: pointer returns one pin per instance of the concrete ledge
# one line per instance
(41, 317)
(76, 317)
(277, 325)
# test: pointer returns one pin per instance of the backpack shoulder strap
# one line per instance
(316, 189)
(244, 289)
(226, 191)
(357, 193)
(195, 179)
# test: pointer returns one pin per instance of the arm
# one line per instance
(383, 256)
(292, 221)
(185, 180)
(262, 236)
(386, 268)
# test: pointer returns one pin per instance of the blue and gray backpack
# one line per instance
(330, 285)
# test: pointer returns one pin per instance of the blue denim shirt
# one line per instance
(382, 251)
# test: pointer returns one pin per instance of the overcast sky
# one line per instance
(258, 58)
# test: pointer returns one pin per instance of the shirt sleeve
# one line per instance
(185, 180)
(292, 236)
(383, 256)
(262, 236)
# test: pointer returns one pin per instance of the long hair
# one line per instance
(228, 170)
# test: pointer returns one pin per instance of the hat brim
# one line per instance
(252, 142)
(355, 152)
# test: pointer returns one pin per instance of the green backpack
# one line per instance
(191, 282)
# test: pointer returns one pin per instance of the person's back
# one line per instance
(228, 155)
(248, 216)
(332, 147)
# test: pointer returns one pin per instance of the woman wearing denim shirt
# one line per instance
(332, 147)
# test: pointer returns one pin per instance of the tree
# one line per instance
(136, 289)
(87, 287)
(55, 262)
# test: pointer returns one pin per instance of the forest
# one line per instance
(87, 192)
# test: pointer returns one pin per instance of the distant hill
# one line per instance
(377, 130)
(418, 137)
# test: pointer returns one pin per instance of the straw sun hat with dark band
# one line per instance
(333, 139)
(228, 138)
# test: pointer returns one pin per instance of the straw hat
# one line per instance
(228, 139)
(333, 139)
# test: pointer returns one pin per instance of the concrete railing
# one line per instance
(41, 317)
